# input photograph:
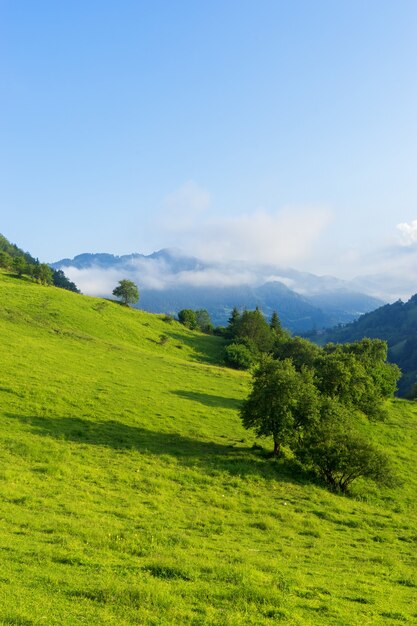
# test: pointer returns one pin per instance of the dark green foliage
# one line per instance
(5, 260)
(42, 273)
(373, 353)
(250, 335)
(252, 325)
(199, 319)
(275, 324)
(334, 449)
(60, 280)
(188, 318)
(238, 356)
(127, 291)
(357, 374)
(280, 401)
(19, 266)
(232, 322)
(301, 351)
(12, 257)
(394, 323)
(13, 251)
(204, 321)
(311, 398)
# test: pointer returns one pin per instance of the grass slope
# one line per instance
(130, 494)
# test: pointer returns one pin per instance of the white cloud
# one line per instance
(408, 233)
(284, 237)
(95, 281)
(156, 274)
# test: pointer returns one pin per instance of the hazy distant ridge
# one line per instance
(169, 281)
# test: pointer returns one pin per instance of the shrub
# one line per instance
(188, 318)
(238, 356)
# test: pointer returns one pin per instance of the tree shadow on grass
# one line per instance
(213, 457)
(207, 348)
(209, 399)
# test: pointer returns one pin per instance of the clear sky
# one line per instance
(270, 130)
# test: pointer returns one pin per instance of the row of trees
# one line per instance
(41, 272)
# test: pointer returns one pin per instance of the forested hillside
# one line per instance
(24, 264)
(131, 493)
(395, 323)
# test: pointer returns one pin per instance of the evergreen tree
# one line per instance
(233, 322)
(275, 324)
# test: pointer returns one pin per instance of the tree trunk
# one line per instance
(277, 448)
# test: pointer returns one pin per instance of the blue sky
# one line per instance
(272, 131)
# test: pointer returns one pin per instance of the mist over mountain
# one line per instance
(169, 281)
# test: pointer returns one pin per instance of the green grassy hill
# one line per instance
(130, 493)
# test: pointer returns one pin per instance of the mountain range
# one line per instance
(170, 281)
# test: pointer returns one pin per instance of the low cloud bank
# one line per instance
(389, 274)
(156, 274)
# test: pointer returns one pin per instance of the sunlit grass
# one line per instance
(130, 493)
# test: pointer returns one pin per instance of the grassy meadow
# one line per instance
(131, 494)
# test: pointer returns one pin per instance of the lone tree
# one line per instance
(127, 291)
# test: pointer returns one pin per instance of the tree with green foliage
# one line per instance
(61, 281)
(275, 323)
(253, 325)
(302, 352)
(188, 318)
(281, 400)
(334, 449)
(42, 273)
(19, 266)
(238, 356)
(5, 260)
(358, 375)
(372, 354)
(127, 291)
(12, 257)
(232, 322)
(203, 321)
